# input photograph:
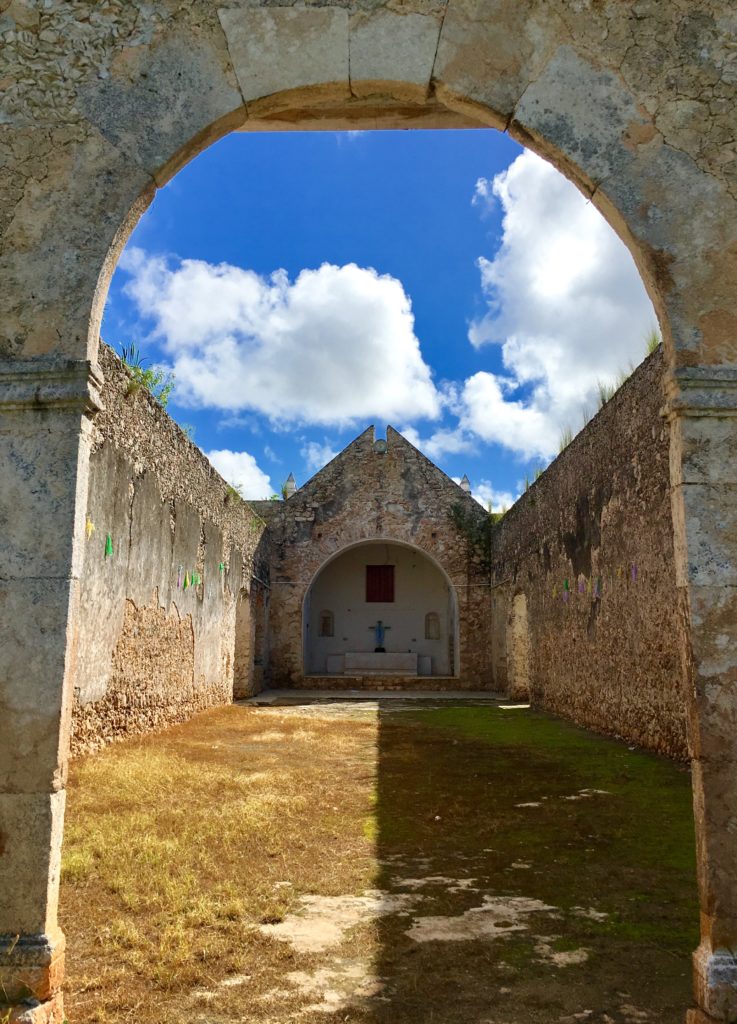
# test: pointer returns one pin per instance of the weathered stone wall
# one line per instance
(150, 649)
(364, 495)
(590, 546)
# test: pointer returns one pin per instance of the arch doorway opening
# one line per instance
(380, 608)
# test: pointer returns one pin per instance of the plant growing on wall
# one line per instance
(477, 528)
(606, 391)
(566, 436)
(256, 526)
(158, 383)
(283, 492)
(234, 493)
(652, 342)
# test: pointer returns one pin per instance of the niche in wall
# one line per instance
(432, 626)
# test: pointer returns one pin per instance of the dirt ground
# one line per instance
(369, 863)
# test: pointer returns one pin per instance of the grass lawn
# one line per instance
(396, 865)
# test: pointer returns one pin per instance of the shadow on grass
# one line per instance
(484, 813)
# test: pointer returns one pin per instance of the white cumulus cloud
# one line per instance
(333, 346)
(317, 455)
(489, 497)
(446, 441)
(242, 472)
(565, 303)
(528, 427)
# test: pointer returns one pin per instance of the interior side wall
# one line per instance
(590, 546)
(244, 643)
(168, 551)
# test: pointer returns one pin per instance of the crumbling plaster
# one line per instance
(154, 643)
(589, 549)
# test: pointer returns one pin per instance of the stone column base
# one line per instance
(699, 1017)
(49, 1012)
(31, 975)
(715, 984)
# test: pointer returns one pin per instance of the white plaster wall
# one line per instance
(419, 588)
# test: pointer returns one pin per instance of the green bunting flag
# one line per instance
(108, 545)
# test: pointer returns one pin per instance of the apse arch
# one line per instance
(414, 602)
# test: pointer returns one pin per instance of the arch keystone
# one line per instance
(386, 47)
(276, 50)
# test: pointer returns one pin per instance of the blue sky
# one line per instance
(304, 285)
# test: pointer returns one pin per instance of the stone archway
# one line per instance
(635, 106)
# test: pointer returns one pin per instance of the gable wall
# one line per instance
(364, 495)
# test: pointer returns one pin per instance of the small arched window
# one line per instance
(432, 626)
(327, 624)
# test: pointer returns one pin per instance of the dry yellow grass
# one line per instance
(178, 845)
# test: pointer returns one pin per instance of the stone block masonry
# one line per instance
(585, 606)
(373, 497)
(170, 554)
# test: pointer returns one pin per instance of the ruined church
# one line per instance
(371, 584)
(379, 573)
(138, 588)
